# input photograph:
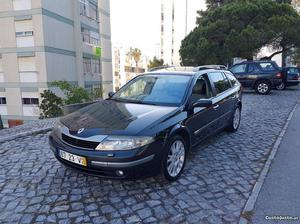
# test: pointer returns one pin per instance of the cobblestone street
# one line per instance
(217, 181)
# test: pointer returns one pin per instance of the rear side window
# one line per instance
(253, 68)
(232, 79)
(267, 66)
(220, 82)
(239, 68)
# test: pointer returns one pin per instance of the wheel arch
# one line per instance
(260, 80)
(183, 132)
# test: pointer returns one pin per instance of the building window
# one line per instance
(91, 66)
(88, 9)
(87, 65)
(24, 33)
(2, 101)
(96, 66)
(22, 4)
(90, 37)
(30, 101)
(27, 69)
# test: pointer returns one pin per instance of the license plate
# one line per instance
(72, 158)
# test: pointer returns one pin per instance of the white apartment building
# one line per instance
(178, 18)
(46, 40)
(124, 66)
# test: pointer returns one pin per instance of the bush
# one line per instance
(73, 94)
(51, 105)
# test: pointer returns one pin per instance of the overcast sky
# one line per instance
(136, 23)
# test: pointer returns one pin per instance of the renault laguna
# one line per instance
(149, 126)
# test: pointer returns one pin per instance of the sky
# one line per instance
(136, 23)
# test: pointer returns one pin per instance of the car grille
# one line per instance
(79, 143)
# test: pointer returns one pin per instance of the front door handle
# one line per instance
(216, 107)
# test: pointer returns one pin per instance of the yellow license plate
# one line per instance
(72, 158)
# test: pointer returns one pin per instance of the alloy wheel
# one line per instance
(176, 157)
(236, 118)
(262, 88)
(281, 86)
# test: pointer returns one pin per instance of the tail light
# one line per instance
(279, 75)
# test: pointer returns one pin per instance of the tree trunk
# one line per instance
(283, 57)
(136, 67)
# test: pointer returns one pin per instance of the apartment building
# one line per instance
(178, 18)
(46, 40)
(124, 66)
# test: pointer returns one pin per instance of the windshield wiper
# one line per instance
(132, 101)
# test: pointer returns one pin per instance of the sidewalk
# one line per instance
(27, 129)
(280, 193)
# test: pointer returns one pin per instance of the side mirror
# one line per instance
(111, 94)
(203, 103)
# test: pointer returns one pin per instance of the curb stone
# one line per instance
(23, 134)
(249, 207)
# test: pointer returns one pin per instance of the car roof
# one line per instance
(254, 61)
(183, 72)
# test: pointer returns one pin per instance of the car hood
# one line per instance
(109, 117)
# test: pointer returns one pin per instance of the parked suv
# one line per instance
(149, 125)
(291, 77)
(261, 76)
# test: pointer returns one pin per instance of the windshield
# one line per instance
(155, 89)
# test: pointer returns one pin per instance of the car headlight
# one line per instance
(123, 142)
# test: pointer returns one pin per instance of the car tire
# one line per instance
(235, 120)
(282, 86)
(263, 87)
(174, 158)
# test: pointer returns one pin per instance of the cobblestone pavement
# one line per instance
(218, 178)
(30, 126)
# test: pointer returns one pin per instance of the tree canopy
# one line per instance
(240, 28)
(155, 62)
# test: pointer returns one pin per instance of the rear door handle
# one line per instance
(216, 107)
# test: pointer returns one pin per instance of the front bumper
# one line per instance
(134, 164)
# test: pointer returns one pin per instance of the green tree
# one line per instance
(212, 4)
(155, 62)
(136, 54)
(51, 105)
(73, 94)
(240, 28)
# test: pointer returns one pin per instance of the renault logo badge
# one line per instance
(80, 130)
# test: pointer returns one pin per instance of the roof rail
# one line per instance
(173, 69)
(204, 67)
(159, 68)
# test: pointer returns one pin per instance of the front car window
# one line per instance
(201, 89)
(239, 68)
(155, 89)
(220, 82)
